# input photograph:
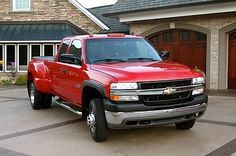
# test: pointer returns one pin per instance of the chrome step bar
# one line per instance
(64, 105)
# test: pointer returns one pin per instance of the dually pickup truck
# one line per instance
(117, 81)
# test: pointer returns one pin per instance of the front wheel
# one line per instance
(185, 125)
(96, 121)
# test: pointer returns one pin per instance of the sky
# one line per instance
(95, 3)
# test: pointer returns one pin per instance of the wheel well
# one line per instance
(88, 94)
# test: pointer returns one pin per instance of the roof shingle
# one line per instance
(125, 6)
(112, 23)
(37, 31)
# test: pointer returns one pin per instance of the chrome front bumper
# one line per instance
(155, 117)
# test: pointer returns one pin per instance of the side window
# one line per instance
(63, 48)
(75, 48)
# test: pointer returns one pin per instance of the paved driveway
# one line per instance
(58, 132)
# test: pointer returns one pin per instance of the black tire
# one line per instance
(185, 125)
(98, 129)
(47, 101)
(38, 100)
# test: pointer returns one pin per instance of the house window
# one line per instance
(57, 48)
(23, 57)
(1, 58)
(21, 5)
(10, 58)
(184, 36)
(35, 50)
(168, 37)
(48, 50)
(200, 36)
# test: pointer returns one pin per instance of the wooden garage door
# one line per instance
(232, 61)
(185, 46)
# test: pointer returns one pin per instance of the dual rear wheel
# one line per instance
(38, 100)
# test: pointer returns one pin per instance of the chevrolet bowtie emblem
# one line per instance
(169, 90)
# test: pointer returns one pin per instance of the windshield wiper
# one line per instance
(109, 60)
(142, 59)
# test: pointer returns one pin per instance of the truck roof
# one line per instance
(97, 36)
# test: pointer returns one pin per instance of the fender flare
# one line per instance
(96, 85)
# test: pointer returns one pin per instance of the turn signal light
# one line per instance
(123, 98)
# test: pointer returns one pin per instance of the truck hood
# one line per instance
(146, 71)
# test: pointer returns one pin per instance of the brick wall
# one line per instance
(48, 10)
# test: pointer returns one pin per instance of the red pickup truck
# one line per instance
(117, 81)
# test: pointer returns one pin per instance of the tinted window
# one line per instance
(122, 48)
(75, 48)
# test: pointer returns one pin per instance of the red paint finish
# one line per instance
(66, 80)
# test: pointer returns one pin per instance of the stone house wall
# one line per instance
(48, 10)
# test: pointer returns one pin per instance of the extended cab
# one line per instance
(117, 81)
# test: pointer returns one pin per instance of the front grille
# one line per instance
(165, 100)
(164, 84)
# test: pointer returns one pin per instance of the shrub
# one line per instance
(21, 80)
(5, 80)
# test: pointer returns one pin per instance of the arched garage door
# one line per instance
(232, 61)
(185, 46)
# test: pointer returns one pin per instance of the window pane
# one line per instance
(1, 58)
(184, 36)
(75, 48)
(200, 36)
(35, 50)
(64, 46)
(168, 37)
(57, 46)
(48, 50)
(121, 48)
(11, 58)
(22, 4)
(23, 51)
(155, 39)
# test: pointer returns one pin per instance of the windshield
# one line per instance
(120, 49)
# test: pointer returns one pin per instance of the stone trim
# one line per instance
(223, 55)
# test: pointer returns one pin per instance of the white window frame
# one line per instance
(5, 49)
(3, 58)
(52, 49)
(18, 57)
(15, 9)
(40, 50)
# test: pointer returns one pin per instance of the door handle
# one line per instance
(64, 71)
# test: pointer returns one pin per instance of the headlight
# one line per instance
(198, 80)
(115, 87)
(124, 86)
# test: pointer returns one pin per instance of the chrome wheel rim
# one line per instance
(32, 94)
(91, 121)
